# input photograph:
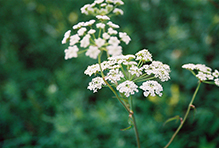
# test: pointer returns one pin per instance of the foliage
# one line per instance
(44, 101)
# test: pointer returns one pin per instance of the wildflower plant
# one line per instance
(124, 75)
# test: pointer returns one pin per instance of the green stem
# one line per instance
(187, 112)
(99, 61)
(135, 125)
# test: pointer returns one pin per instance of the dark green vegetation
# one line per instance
(43, 98)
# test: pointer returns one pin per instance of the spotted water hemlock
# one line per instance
(98, 34)
(203, 73)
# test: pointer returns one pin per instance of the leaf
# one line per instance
(177, 118)
(127, 128)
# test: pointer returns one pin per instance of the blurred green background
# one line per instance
(43, 98)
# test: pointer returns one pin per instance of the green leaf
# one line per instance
(177, 118)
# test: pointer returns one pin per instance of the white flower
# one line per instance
(93, 52)
(113, 41)
(102, 17)
(203, 68)
(127, 87)
(96, 83)
(91, 31)
(118, 11)
(134, 70)
(112, 25)
(98, 1)
(118, 2)
(109, 1)
(66, 36)
(100, 25)
(151, 87)
(71, 52)
(201, 76)
(189, 66)
(106, 35)
(99, 42)
(86, 9)
(111, 31)
(114, 50)
(79, 25)
(114, 75)
(85, 41)
(144, 55)
(215, 73)
(103, 5)
(159, 70)
(216, 81)
(89, 23)
(81, 31)
(125, 38)
(74, 39)
(92, 69)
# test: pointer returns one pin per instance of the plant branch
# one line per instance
(187, 112)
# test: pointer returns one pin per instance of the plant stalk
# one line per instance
(187, 112)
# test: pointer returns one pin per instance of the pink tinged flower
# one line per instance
(93, 52)
(113, 41)
(127, 87)
(66, 36)
(114, 50)
(74, 39)
(85, 41)
(99, 42)
(71, 52)
(151, 88)
(125, 38)
(96, 84)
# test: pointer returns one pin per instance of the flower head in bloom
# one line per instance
(96, 84)
(127, 87)
(216, 81)
(151, 88)
(92, 69)
(144, 55)
(124, 37)
(99, 42)
(66, 36)
(85, 41)
(71, 52)
(74, 39)
(202, 72)
(92, 52)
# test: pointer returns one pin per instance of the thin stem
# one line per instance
(99, 61)
(135, 125)
(187, 112)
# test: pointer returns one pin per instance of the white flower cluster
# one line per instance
(203, 73)
(124, 73)
(104, 37)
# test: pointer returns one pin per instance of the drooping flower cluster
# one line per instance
(125, 73)
(98, 34)
(203, 73)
